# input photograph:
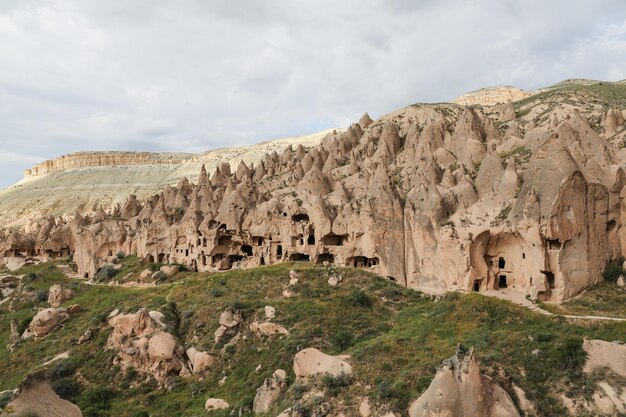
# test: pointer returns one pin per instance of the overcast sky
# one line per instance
(191, 75)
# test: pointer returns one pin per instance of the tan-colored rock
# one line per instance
(311, 361)
(365, 410)
(57, 295)
(145, 274)
(268, 329)
(47, 320)
(37, 398)
(269, 392)
(140, 342)
(74, 309)
(270, 312)
(602, 354)
(459, 389)
(170, 270)
(213, 404)
(199, 360)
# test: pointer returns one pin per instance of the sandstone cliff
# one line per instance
(435, 197)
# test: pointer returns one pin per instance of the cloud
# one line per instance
(147, 75)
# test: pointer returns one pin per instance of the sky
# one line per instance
(193, 75)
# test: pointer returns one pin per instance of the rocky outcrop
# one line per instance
(309, 362)
(459, 389)
(229, 325)
(214, 404)
(492, 95)
(140, 342)
(199, 360)
(57, 295)
(269, 392)
(433, 197)
(46, 321)
(603, 354)
(36, 397)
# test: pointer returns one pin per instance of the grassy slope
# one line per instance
(396, 342)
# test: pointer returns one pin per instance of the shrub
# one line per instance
(42, 296)
(358, 298)
(120, 255)
(31, 276)
(613, 269)
(334, 383)
(569, 354)
(106, 273)
(96, 402)
(159, 276)
(5, 398)
(67, 388)
(216, 292)
(62, 369)
(342, 339)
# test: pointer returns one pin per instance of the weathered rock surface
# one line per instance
(267, 328)
(140, 342)
(57, 295)
(46, 321)
(311, 361)
(435, 197)
(602, 354)
(38, 398)
(213, 404)
(199, 360)
(459, 389)
(269, 392)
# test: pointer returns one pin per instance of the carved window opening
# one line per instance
(311, 239)
(611, 225)
(247, 249)
(224, 240)
(476, 286)
(334, 240)
(300, 217)
(551, 280)
(501, 263)
(279, 250)
(554, 244)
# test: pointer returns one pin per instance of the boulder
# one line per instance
(213, 404)
(311, 361)
(37, 398)
(57, 295)
(269, 392)
(270, 312)
(145, 274)
(199, 360)
(603, 354)
(460, 389)
(267, 328)
(47, 320)
(170, 270)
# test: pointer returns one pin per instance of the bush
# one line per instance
(62, 369)
(106, 273)
(67, 388)
(613, 269)
(342, 339)
(358, 298)
(569, 354)
(334, 383)
(96, 402)
(5, 398)
(31, 276)
(159, 276)
(120, 255)
(42, 296)
(216, 292)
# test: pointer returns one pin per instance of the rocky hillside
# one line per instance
(295, 340)
(84, 181)
(437, 197)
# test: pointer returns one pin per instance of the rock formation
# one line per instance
(46, 321)
(269, 392)
(309, 362)
(36, 397)
(57, 295)
(435, 197)
(460, 389)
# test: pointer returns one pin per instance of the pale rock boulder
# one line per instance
(309, 362)
(158, 317)
(170, 270)
(229, 323)
(269, 392)
(145, 274)
(57, 295)
(609, 400)
(213, 404)
(621, 281)
(46, 321)
(268, 329)
(365, 409)
(459, 389)
(270, 312)
(603, 354)
(199, 360)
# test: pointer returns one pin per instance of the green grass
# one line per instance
(396, 337)
(603, 299)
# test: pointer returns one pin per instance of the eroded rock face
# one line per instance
(199, 360)
(434, 197)
(140, 342)
(311, 361)
(459, 389)
(213, 404)
(603, 354)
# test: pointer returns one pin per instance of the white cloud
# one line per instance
(80, 75)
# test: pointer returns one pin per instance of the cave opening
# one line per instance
(300, 217)
(247, 249)
(501, 263)
(502, 282)
(299, 257)
(477, 286)
(326, 257)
